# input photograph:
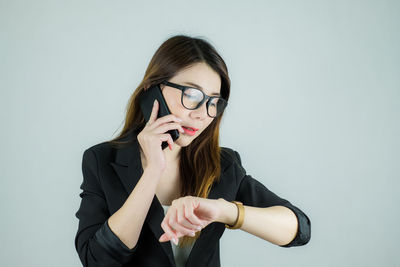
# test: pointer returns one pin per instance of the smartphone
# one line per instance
(146, 104)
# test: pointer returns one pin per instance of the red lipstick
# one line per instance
(189, 130)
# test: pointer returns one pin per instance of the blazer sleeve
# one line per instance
(253, 193)
(95, 243)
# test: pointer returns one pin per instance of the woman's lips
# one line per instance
(194, 129)
(189, 130)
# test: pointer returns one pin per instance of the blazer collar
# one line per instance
(128, 167)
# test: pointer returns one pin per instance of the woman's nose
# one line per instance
(201, 111)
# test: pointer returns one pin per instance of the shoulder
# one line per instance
(227, 154)
(229, 158)
(100, 150)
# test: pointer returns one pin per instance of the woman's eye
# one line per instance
(190, 96)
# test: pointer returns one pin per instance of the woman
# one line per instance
(139, 201)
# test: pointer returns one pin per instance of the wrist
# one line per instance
(227, 212)
(153, 171)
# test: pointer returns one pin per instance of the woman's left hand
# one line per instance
(187, 215)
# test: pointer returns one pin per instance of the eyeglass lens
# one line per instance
(192, 97)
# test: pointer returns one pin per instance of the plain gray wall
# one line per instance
(314, 113)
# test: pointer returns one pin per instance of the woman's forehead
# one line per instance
(200, 76)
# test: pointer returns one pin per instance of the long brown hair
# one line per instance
(200, 160)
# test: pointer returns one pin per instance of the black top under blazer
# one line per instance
(110, 175)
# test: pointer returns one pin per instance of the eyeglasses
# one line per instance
(192, 98)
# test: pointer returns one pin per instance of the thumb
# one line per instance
(163, 238)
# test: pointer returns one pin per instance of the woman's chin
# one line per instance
(183, 141)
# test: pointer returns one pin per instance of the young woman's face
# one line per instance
(201, 76)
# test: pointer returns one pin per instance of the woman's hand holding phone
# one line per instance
(154, 133)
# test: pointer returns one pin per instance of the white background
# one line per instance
(314, 114)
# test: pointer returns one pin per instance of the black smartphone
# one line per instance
(146, 104)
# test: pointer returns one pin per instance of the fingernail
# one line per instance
(198, 228)
(176, 241)
(155, 100)
(192, 234)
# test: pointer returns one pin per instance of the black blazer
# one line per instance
(110, 175)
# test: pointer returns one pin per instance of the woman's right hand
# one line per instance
(154, 133)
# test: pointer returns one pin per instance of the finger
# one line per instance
(165, 119)
(169, 126)
(167, 138)
(154, 112)
(164, 237)
(179, 229)
(171, 235)
(182, 219)
(189, 214)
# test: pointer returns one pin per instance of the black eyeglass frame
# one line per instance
(205, 97)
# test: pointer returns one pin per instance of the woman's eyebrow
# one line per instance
(201, 88)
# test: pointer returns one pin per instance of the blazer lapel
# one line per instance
(128, 167)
